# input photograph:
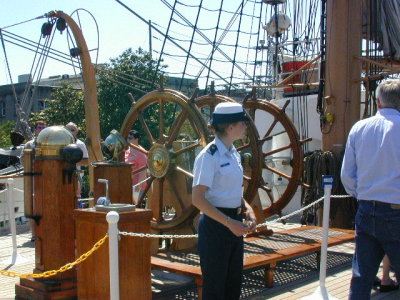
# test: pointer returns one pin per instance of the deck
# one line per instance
(294, 278)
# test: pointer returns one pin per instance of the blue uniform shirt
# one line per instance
(371, 164)
(220, 169)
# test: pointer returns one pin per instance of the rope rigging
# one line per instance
(30, 45)
(236, 48)
(166, 35)
(164, 42)
(248, 59)
(42, 51)
(199, 32)
(191, 44)
(17, 105)
(37, 73)
(316, 164)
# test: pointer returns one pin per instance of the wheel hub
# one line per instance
(158, 160)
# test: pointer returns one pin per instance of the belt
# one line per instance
(376, 202)
(230, 211)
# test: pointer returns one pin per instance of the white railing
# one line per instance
(15, 258)
(18, 203)
(112, 219)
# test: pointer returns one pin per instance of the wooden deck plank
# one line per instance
(162, 260)
(337, 281)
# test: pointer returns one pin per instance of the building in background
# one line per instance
(32, 96)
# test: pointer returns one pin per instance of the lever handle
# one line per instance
(106, 182)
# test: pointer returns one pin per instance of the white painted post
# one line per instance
(327, 181)
(15, 258)
(321, 292)
(11, 216)
(112, 219)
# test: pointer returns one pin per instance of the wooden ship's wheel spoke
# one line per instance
(139, 170)
(142, 196)
(187, 148)
(161, 120)
(276, 150)
(267, 134)
(187, 173)
(212, 108)
(278, 172)
(245, 146)
(176, 126)
(268, 190)
(247, 178)
(195, 128)
(157, 211)
(139, 148)
(172, 182)
(146, 129)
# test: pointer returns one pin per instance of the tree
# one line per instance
(67, 105)
(5, 129)
(131, 72)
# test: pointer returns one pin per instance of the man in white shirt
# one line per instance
(371, 173)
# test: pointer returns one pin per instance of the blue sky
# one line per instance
(118, 28)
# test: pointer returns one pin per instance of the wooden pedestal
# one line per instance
(54, 204)
(38, 289)
(134, 255)
(119, 179)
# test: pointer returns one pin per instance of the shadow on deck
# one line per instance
(294, 278)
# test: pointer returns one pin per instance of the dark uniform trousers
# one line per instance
(221, 258)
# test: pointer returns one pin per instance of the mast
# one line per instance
(342, 91)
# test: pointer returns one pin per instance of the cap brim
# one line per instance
(229, 118)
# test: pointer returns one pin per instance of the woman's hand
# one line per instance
(251, 220)
(237, 227)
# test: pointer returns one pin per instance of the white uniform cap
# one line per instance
(228, 112)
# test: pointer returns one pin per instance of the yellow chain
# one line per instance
(64, 268)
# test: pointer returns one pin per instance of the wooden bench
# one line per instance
(259, 251)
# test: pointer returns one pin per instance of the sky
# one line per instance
(118, 30)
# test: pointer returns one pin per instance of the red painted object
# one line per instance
(288, 68)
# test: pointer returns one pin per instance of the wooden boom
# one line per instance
(90, 90)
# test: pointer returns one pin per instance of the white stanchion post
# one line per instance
(321, 292)
(11, 215)
(327, 182)
(112, 219)
(15, 259)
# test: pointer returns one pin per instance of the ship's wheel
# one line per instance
(266, 169)
(174, 138)
(281, 155)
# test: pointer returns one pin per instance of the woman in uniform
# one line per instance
(217, 193)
